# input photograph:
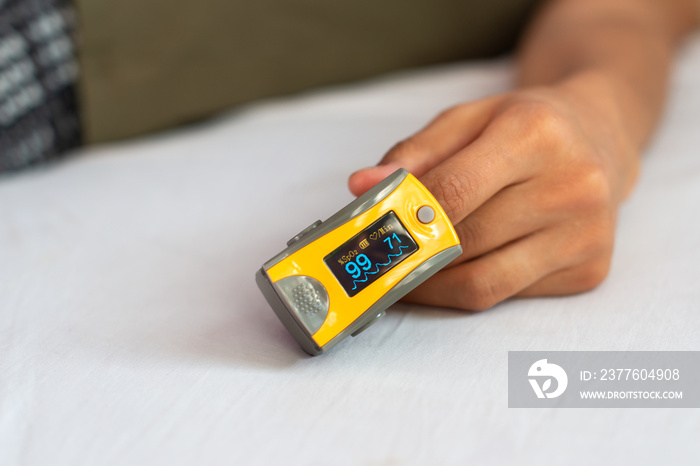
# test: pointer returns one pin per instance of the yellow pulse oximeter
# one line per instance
(337, 277)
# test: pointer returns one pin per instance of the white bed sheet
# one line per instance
(131, 331)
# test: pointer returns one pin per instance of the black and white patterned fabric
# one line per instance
(38, 76)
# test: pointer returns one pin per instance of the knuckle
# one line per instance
(407, 149)
(480, 292)
(542, 123)
(593, 239)
(450, 112)
(597, 186)
(585, 187)
(452, 190)
(590, 190)
(593, 274)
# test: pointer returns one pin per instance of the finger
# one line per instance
(465, 181)
(483, 282)
(449, 132)
(362, 180)
(444, 136)
(506, 217)
(572, 280)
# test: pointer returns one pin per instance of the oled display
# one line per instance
(371, 253)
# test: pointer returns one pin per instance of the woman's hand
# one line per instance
(531, 180)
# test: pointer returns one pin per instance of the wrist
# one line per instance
(614, 99)
(611, 118)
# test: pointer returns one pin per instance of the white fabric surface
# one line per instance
(131, 330)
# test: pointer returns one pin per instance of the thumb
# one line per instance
(444, 136)
(362, 180)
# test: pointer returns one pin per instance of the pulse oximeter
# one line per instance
(337, 277)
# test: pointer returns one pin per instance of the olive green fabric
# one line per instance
(150, 64)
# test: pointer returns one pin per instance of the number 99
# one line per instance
(353, 269)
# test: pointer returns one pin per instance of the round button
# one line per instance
(426, 214)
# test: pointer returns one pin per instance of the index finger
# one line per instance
(469, 178)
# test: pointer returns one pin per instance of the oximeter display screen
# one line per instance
(371, 253)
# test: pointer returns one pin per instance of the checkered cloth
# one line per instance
(38, 76)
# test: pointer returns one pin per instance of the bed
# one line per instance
(132, 332)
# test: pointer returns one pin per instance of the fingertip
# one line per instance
(356, 182)
(364, 179)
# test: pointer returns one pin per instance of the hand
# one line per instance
(531, 181)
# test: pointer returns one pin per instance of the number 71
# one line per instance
(389, 240)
